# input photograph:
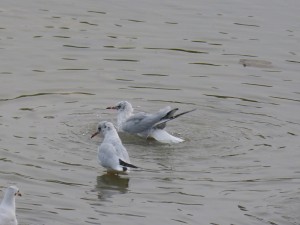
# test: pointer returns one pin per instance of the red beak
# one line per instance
(111, 107)
(94, 134)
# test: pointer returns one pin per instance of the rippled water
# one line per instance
(237, 62)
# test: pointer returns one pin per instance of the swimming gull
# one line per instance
(145, 124)
(112, 155)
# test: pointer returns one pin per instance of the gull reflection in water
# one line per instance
(109, 185)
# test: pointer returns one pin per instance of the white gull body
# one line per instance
(146, 124)
(8, 206)
(112, 155)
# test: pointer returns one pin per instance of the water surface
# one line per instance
(237, 62)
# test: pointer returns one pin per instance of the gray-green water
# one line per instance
(237, 62)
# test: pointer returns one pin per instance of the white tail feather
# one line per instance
(164, 137)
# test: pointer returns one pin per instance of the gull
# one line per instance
(145, 124)
(112, 155)
(8, 206)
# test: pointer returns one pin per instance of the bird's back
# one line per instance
(114, 140)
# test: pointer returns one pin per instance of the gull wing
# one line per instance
(121, 151)
(170, 116)
(141, 122)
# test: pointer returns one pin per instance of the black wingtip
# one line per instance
(180, 114)
(162, 123)
(170, 114)
(122, 163)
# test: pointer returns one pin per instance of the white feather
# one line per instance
(164, 137)
(8, 208)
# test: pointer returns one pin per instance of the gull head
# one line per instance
(103, 127)
(9, 197)
(122, 106)
(13, 191)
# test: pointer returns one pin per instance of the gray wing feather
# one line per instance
(141, 122)
(122, 152)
